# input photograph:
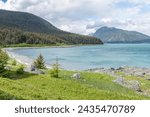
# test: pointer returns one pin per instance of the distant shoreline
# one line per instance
(52, 46)
(10, 48)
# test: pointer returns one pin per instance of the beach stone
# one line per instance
(144, 73)
(113, 69)
(120, 68)
(76, 76)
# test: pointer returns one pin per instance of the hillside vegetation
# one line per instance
(26, 22)
(11, 36)
(26, 28)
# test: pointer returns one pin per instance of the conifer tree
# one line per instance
(39, 62)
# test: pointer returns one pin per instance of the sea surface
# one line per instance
(87, 57)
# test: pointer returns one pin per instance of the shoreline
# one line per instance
(20, 58)
(62, 46)
(140, 72)
(129, 70)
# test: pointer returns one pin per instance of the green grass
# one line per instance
(91, 86)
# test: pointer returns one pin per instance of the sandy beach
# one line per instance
(19, 58)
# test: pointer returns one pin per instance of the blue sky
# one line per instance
(85, 16)
(4, 0)
(124, 5)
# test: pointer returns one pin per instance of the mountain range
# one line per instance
(21, 27)
(114, 35)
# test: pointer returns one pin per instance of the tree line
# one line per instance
(15, 36)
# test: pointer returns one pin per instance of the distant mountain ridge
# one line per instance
(20, 27)
(114, 35)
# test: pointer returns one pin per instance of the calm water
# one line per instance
(85, 57)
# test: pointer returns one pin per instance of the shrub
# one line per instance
(39, 62)
(3, 61)
(55, 69)
(14, 62)
(20, 70)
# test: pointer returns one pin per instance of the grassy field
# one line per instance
(91, 86)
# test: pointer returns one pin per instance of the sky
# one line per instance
(86, 16)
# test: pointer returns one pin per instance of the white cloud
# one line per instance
(8, 5)
(85, 16)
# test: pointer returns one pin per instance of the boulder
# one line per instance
(148, 79)
(143, 73)
(120, 81)
(134, 85)
(32, 68)
(113, 69)
(76, 76)
(139, 74)
(39, 72)
(120, 68)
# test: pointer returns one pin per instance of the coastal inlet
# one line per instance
(89, 57)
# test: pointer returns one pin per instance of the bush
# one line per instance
(3, 61)
(39, 62)
(20, 70)
(55, 69)
(14, 62)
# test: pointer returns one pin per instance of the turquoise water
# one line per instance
(85, 57)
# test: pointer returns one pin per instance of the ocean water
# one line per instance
(86, 57)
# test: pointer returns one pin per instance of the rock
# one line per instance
(120, 68)
(120, 81)
(143, 73)
(113, 69)
(39, 72)
(148, 79)
(32, 68)
(139, 74)
(134, 85)
(76, 76)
